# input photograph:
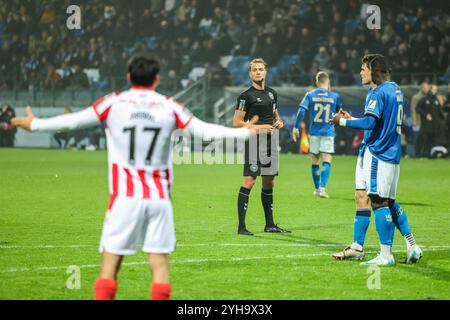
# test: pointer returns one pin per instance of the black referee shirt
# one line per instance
(261, 103)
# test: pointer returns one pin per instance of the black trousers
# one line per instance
(424, 143)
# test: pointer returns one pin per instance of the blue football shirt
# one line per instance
(321, 104)
(385, 103)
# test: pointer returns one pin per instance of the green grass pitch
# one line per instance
(52, 205)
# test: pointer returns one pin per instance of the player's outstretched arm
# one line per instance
(367, 122)
(72, 121)
(208, 131)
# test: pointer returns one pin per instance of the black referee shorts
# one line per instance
(261, 155)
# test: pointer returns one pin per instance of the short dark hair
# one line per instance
(143, 70)
(379, 67)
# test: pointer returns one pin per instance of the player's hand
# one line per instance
(25, 122)
(345, 114)
(429, 117)
(295, 134)
(336, 118)
(278, 124)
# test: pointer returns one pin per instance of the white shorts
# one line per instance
(376, 176)
(321, 144)
(133, 221)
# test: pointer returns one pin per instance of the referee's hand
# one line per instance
(278, 124)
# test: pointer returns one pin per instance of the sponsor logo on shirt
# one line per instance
(141, 116)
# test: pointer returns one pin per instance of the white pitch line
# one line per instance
(187, 245)
(206, 245)
(49, 246)
(181, 261)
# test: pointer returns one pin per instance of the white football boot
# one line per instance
(352, 252)
(316, 192)
(380, 260)
(323, 193)
(413, 254)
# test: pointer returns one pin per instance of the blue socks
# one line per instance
(320, 177)
(386, 219)
(400, 219)
(384, 225)
(326, 166)
(362, 221)
(315, 170)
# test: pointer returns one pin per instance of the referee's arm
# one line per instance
(278, 122)
(238, 122)
(238, 119)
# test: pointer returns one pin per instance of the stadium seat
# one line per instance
(272, 74)
(237, 67)
(412, 20)
(357, 80)
(238, 62)
(130, 51)
(2, 28)
(350, 25)
(286, 60)
(150, 42)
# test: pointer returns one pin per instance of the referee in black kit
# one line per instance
(261, 152)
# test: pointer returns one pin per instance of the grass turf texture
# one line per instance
(52, 205)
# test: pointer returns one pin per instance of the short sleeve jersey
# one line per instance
(321, 104)
(261, 103)
(139, 124)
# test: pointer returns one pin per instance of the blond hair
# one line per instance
(257, 60)
(322, 76)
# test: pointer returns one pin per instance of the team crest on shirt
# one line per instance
(372, 104)
(271, 96)
(253, 167)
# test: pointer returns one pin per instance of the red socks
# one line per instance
(105, 289)
(160, 291)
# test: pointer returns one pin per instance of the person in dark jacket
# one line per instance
(431, 117)
(7, 131)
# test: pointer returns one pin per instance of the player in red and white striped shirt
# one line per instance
(139, 124)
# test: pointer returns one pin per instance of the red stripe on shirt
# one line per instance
(102, 115)
(157, 179)
(180, 123)
(96, 103)
(168, 181)
(130, 185)
(115, 185)
(145, 187)
(152, 88)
